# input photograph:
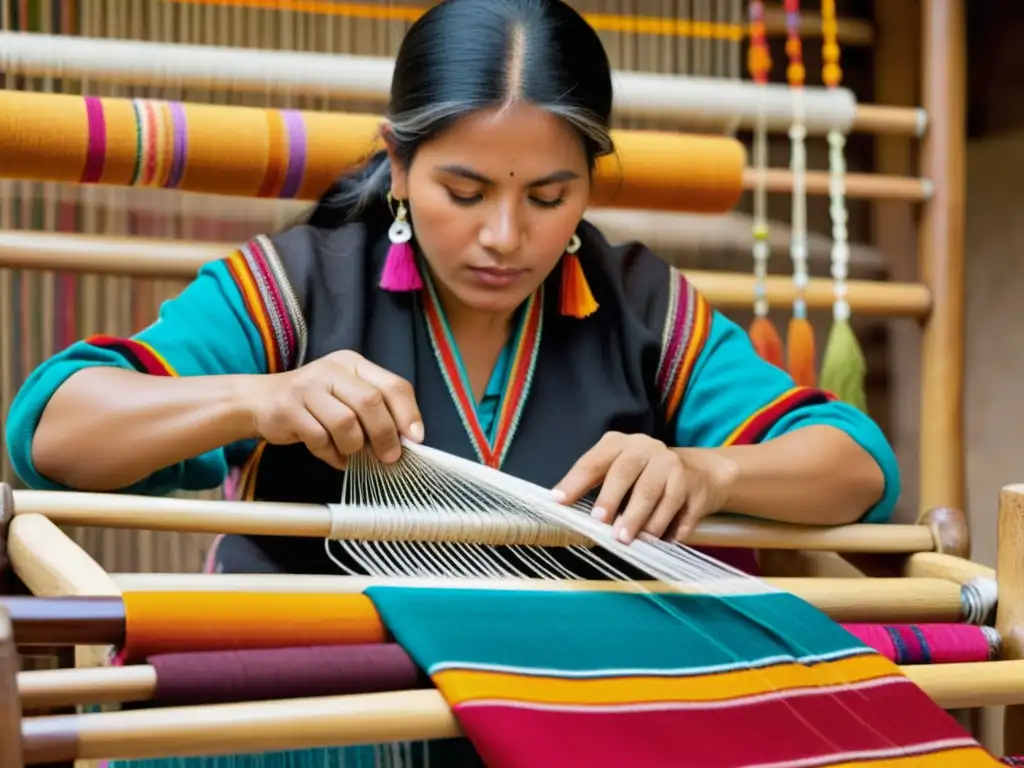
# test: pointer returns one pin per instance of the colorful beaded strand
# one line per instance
(763, 335)
(800, 337)
(843, 368)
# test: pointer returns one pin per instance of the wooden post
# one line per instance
(1010, 612)
(941, 244)
(6, 515)
(10, 702)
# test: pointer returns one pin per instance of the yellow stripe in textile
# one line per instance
(602, 22)
(122, 130)
(969, 757)
(460, 686)
(43, 137)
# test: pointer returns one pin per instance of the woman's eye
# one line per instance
(462, 199)
(547, 203)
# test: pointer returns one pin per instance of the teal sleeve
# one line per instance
(734, 397)
(205, 330)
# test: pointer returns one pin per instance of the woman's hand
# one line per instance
(335, 405)
(670, 490)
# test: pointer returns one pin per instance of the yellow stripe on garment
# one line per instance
(967, 757)
(160, 358)
(239, 269)
(460, 686)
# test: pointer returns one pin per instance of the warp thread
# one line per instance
(978, 599)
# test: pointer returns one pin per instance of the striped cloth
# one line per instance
(614, 679)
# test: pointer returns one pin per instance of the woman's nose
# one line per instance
(503, 230)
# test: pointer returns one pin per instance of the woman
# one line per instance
(450, 280)
(451, 293)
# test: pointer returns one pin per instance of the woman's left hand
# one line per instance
(669, 493)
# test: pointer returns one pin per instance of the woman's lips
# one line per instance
(493, 277)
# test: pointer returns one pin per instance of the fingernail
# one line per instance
(622, 535)
(416, 430)
(599, 512)
(558, 495)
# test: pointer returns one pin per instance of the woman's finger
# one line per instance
(338, 419)
(645, 498)
(670, 505)
(588, 472)
(621, 477)
(399, 396)
(372, 411)
(695, 509)
(311, 433)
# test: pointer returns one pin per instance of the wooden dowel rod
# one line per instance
(47, 622)
(937, 565)
(51, 688)
(329, 721)
(849, 600)
(101, 620)
(313, 520)
(940, 247)
(373, 718)
(861, 186)
(164, 258)
(893, 121)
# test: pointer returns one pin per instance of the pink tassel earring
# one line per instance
(400, 270)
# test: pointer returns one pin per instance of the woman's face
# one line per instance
(494, 202)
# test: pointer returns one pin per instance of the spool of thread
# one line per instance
(928, 643)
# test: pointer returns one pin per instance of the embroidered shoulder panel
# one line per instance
(271, 302)
(686, 330)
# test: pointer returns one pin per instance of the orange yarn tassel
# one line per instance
(576, 300)
(800, 345)
(766, 341)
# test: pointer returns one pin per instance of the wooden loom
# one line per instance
(173, 259)
(72, 59)
(932, 587)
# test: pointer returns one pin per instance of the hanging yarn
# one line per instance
(763, 334)
(800, 342)
(844, 368)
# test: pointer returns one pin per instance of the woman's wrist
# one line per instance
(723, 471)
(240, 397)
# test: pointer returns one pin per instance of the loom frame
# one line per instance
(50, 564)
(937, 298)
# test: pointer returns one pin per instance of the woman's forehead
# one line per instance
(520, 140)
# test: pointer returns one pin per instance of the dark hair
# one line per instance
(463, 56)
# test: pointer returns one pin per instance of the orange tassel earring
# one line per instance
(576, 300)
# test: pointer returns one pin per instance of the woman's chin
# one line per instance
(493, 300)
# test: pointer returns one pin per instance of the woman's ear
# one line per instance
(399, 174)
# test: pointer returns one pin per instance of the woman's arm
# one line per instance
(791, 453)
(152, 413)
(107, 428)
(815, 475)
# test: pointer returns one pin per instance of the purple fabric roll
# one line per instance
(218, 677)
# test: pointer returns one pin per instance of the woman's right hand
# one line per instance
(335, 405)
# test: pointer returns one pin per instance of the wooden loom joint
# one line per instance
(6, 515)
(1010, 610)
(10, 702)
(949, 527)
